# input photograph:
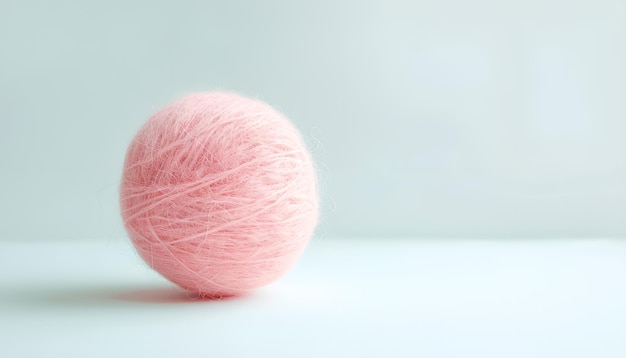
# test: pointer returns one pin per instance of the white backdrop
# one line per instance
(447, 118)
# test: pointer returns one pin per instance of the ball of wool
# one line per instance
(219, 194)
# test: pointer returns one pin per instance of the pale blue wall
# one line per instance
(436, 118)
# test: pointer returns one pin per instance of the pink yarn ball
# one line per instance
(219, 194)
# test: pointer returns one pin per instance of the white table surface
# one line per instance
(345, 298)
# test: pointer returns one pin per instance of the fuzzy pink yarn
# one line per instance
(219, 194)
